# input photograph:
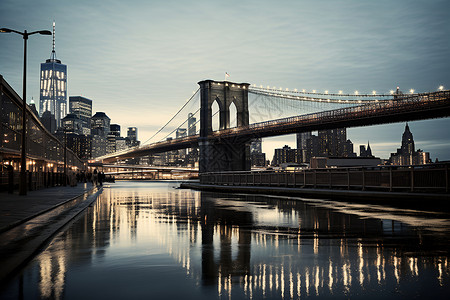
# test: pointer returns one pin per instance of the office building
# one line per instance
(192, 124)
(100, 124)
(72, 124)
(82, 108)
(114, 129)
(286, 155)
(132, 138)
(53, 88)
(406, 154)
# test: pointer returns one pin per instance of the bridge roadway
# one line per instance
(402, 108)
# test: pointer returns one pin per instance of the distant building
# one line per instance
(332, 141)
(286, 155)
(100, 124)
(114, 129)
(99, 145)
(132, 134)
(180, 133)
(32, 106)
(82, 108)
(49, 122)
(406, 154)
(192, 124)
(72, 124)
(53, 88)
(363, 152)
(256, 146)
(257, 157)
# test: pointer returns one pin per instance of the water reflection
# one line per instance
(243, 247)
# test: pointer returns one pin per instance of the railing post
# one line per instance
(304, 178)
(446, 178)
(30, 180)
(348, 179)
(286, 179)
(412, 179)
(10, 179)
(315, 178)
(295, 179)
(329, 178)
(390, 179)
(363, 180)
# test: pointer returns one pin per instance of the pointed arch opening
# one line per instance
(215, 116)
(233, 115)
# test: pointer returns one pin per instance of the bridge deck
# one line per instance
(405, 108)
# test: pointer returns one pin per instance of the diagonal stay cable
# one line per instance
(192, 97)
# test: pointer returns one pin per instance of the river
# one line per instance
(152, 240)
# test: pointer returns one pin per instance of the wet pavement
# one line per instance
(151, 240)
(28, 222)
(15, 209)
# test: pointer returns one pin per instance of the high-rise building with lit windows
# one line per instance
(53, 87)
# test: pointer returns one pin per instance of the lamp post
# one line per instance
(23, 158)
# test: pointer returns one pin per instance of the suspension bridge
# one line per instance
(230, 115)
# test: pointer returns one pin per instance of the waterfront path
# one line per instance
(28, 222)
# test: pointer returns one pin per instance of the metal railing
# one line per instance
(421, 178)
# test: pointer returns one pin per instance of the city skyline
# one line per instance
(126, 56)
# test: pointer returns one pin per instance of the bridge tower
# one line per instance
(218, 154)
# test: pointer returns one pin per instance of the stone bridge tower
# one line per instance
(220, 154)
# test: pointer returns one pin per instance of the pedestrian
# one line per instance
(95, 178)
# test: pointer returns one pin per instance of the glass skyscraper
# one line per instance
(53, 91)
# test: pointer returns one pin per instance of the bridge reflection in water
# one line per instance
(150, 240)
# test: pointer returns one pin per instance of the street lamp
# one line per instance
(23, 158)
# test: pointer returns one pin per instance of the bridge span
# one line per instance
(400, 108)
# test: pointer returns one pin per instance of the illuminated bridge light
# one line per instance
(326, 92)
(303, 90)
(441, 87)
(295, 90)
(314, 91)
(374, 92)
(261, 86)
(287, 89)
(340, 92)
(391, 92)
(356, 92)
(411, 91)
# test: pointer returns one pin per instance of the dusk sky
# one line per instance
(139, 61)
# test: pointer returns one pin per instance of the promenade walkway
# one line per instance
(28, 222)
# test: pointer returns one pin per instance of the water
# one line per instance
(151, 240)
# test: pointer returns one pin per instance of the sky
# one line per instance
(139, 61)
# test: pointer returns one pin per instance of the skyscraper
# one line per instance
(53, 87)
(82, 108)
(406, 154)
(192, 121)
(100, 124)
(332, 141)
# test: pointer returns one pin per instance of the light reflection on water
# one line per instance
(144, 239)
